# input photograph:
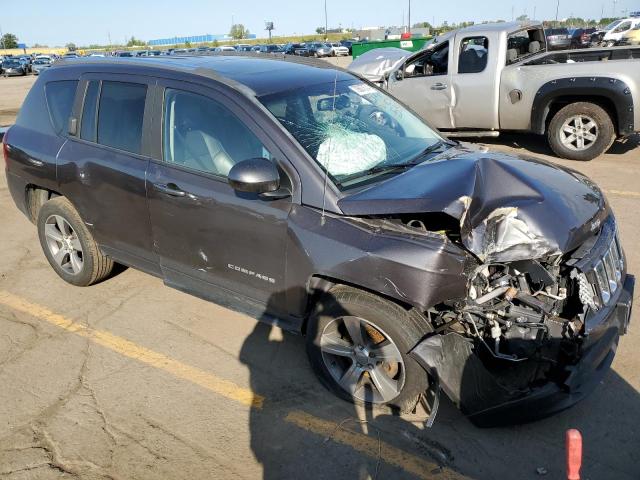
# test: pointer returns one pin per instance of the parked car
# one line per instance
(463, 84)
(318, 49)
(40, 64)
(407, 257)
(255, 48)
(616, 30)
(581, 37)
(298, 49)
(26, 62)
(70, 55)
(179, 51)
(632, 37)
(338, 50)
(558, 39)
(349, 44)
(13, 67)
(224, 48)
(124, 54)
(243, 47)
(270, 49)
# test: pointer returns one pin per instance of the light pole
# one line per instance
(409, 19)
(326, 23)
(558, 8)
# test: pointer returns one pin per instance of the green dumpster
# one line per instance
(410, 44)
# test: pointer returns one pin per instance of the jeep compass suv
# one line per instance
(307, 197)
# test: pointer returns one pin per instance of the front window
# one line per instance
(352, 130)
(612, 25)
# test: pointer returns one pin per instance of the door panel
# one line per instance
(427, 90)
(207, 235)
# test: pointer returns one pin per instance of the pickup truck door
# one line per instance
(423, 83)
(475, 83)
(221, 244)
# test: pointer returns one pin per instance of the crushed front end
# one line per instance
(532, 337)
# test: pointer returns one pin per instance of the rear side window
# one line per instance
(60, 96)
(88, 124)
(120, 115)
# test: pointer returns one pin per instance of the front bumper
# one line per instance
(487, 404)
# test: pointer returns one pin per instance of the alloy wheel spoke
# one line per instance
(75, 243)
(51, 231)
(63, 226)
(386, 352)
(580, 141)
(350, 381)
(76, 262)
(336, 346)
(589, 125)
(354, 327)
(59, 256)
(387, 387)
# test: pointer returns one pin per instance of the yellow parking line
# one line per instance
(359, 442)
(129, 349)
(623, 193)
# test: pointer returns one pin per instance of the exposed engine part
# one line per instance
(516, 309)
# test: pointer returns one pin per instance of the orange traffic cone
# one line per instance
(573, 440)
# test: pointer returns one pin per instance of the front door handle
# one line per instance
(170, 189)
(439, 86)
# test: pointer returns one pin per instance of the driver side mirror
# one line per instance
(256, 175)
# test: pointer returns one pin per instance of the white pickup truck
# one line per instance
(484, 79)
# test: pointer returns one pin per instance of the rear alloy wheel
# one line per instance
(358, 345)
(581, 131)
(69, 246)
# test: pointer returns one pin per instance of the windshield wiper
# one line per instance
(431, 149)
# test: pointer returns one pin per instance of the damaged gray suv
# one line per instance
(310, 199)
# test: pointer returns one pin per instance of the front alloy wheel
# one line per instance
(362, 360)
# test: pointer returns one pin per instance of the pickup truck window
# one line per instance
(433, 62)
(473, 55)
(60, 97)
(120, 115)
(203, 135)
(525, 43)
(624, 26)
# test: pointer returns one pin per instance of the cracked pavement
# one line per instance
(72, 408)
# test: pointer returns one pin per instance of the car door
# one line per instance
(102, 168)
(212, 240)
(423, 83)
(474, 87)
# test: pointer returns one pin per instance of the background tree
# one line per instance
(71, 47)
(238, 31)
(523, 18)
(320, 30)
(9, 40)
(134, 42)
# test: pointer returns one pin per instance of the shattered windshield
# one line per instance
(354, 131)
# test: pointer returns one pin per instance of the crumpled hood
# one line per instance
(509, 208)
(375, 64)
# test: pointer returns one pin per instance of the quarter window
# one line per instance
(203, 135)
(473, 55)
(121, 114)
(60, 96)
(88, 124)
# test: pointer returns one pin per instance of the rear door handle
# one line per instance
(439, 86)
(170, 189)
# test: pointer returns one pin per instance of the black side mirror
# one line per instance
(400, 72)
(256, 175)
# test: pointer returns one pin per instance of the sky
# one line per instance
(86, 22)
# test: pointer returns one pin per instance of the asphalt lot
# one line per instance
(131, 379)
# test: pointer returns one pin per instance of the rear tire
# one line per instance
(69, 246)
(382, 324)
(581, 131)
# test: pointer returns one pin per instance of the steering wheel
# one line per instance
(379, 119)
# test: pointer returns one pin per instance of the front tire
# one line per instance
(69, 246)
(358, 345)
(581, 131)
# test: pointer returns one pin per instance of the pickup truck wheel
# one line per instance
(69, 246)
(581, 131)
(358, 346)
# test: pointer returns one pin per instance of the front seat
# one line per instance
(205, 152)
